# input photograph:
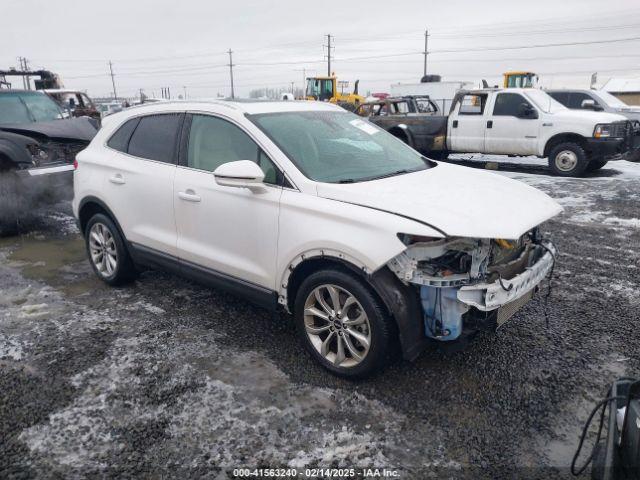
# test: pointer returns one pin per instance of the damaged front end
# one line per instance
(466, 284)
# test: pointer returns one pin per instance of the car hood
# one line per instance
(80, 128)
(595, 117)
(459, 201)
(632, 113)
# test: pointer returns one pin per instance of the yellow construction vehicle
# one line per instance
(329, 89)
(520, 79)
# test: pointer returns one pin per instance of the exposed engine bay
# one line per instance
(467, 283)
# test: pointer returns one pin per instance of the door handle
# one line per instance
(455, 124)
(117, 179)
(189, 196)
(489, 123)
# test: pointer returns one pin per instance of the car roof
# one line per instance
(246, 106)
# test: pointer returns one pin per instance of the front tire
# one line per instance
(342, 323)
(568, 159)
(107, 252)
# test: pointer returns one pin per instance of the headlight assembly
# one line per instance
(603, 130)
(38, 154)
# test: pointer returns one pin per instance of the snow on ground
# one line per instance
(582, 198)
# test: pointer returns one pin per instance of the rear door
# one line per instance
(467, 124)
(139, 179)
(506, 132)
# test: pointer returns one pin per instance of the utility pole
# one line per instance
(231, 72)
(184, 87)
(426, 52)
(328, 55)
(304, 81)
(113, 81)
(292, 87)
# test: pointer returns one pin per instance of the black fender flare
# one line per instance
(15, 153)
(407, 132)
(403, 303)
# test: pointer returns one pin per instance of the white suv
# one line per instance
(305, 206)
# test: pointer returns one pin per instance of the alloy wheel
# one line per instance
(337, 325)
(102, 248)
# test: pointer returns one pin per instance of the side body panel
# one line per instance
(466, 132)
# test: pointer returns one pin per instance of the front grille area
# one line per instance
(621, 129)
(63, 152)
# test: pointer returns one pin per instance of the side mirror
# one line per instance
(527, 111)
(242, 173)
(588, 104)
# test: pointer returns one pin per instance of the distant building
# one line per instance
(626, 89)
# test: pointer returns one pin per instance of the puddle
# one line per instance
(59, 262)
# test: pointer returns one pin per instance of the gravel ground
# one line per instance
(164, 378)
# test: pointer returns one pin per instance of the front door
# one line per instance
(507, 132)
(227, 230)
(467, 125)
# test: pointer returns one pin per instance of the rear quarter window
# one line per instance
(155, 137)
(120, 139)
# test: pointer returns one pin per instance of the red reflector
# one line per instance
(75, 164)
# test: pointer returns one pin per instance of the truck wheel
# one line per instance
(14, 204)
(596, 165)
(342, 323)
(568, 160)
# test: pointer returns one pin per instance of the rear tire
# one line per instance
(107, 252)
(568, 159)
(353, 349)
(596, 165)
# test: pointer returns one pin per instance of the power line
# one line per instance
(519, 47)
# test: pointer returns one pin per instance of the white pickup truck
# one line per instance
(527, 121)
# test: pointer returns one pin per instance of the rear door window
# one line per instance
(120, 140)
(155, 137)
(472, 104)
(562, 97)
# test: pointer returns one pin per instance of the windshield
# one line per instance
(28, 107)
(544, 101)
(338, 147)
(610, 100)
(13, 110)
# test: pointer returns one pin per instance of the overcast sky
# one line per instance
(158, 43)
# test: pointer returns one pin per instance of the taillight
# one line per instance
(75, 164)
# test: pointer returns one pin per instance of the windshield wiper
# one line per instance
(377, 177)
(392, 174)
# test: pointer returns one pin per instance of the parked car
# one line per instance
(307, 207)
(601, 101)
(37, 149)
(78, 103)
(527, 121)
(110, 108)
(414, 119)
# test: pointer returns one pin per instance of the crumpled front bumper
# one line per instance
(490, 296)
